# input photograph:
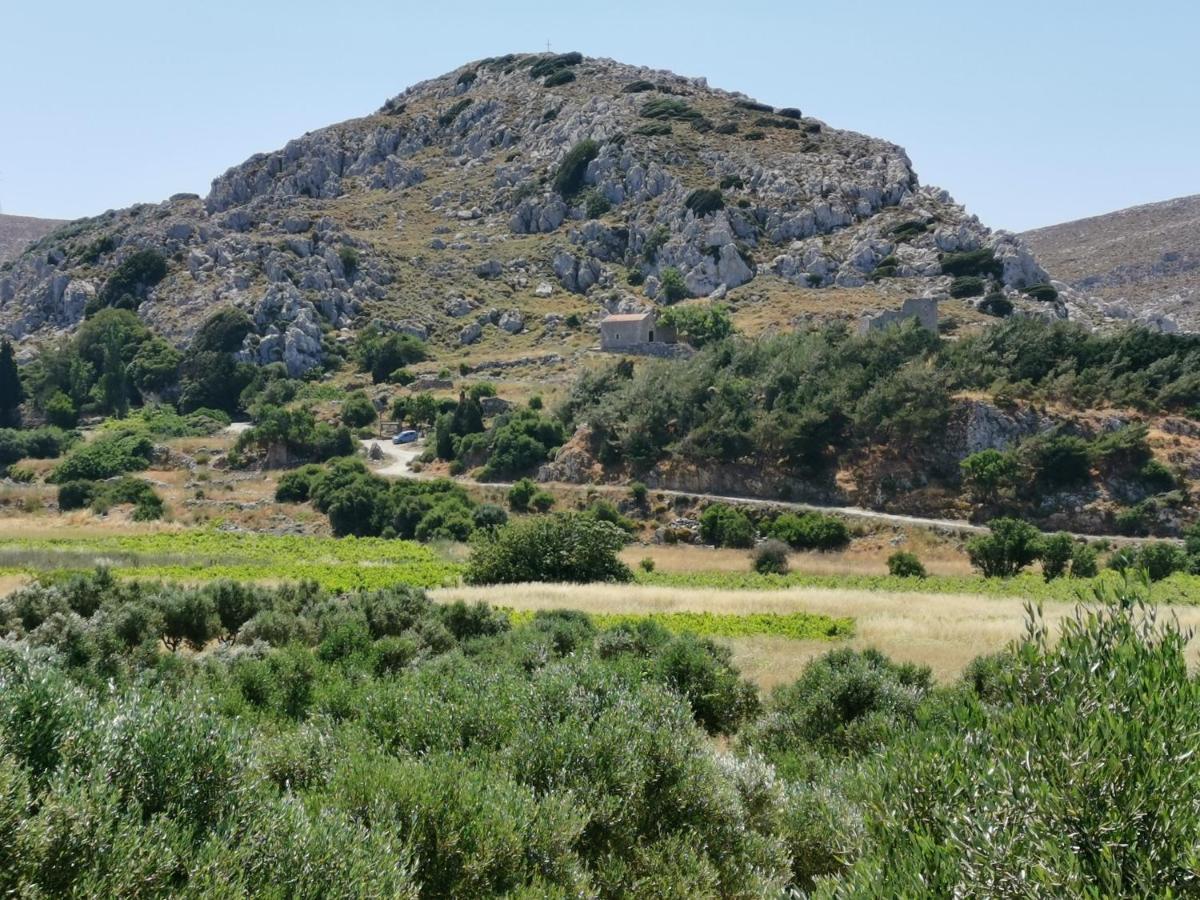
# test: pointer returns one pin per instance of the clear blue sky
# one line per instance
(1030, 113)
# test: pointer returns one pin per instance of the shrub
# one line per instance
(561, 77)
(672, 285)
(75, 494)
(972, 262)
(699, 324)
(1060, 460)
(810, 531)
(703, 201)
(1043, 292)
(770, 558)
(129, 283)
(222, 332)
(967, 286)
(788, 112)
(996, 305)
(668, 108)
(846, 702)
(638, 493)
(563, 547)
(646, 564)
(358, 410)
(727, 128)
(953, 792)
(595, 204)
(903, 564)
(550, 65)
(725, 526)
(988, 473)
(638, 87)
(1010, 547)
(105, 457)
(542, 501)
(382, 354)
(60, 411)
(521, 493)
(1056, 554)
(294, 486)
(569, 179)
(1083, 561)
(447, 117)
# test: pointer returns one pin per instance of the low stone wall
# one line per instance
(653, 348)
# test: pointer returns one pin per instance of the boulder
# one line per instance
(470, 334)
(513, 321)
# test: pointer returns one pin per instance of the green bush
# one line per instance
(358, 410)
(542, 501)
(974, 809)
(903, 564)
(1043, 292)
(770, 558)
(595, 204)
(638, 87)
(668, 108)
(562, 76)
(447, 116)
(672, 285)
(996, 305)
(60, 411)
(810, 531)
(1010, 547)
(703, 201)
(1056, 553)
(106, 456)
(521, 493)
(847, 702)
(726, 526)
(980, 263)
(568, 180)
(129, 283)
(967, 286)
(562, 547)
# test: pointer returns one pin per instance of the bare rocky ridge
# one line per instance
(18, 232)
(1141, 263)
(439, 215)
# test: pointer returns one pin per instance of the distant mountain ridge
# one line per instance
(1141, 262)
(18, 232)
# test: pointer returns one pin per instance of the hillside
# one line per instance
(498, 211)
(17, 232)
(1141, 263)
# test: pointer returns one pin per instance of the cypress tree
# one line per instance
(12, 392)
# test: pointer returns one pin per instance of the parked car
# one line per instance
(405, 437)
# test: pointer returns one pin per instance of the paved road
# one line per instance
(398, 458)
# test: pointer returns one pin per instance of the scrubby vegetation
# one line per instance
(292, 742)
(802, 402)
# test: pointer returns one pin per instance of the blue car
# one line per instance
(405, 437)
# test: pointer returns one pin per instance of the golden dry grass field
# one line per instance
(942, 631)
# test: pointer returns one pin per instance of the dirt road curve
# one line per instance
(396, 458)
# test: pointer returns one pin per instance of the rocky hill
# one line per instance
(18, 232)
(499, 210)
(1140, 263)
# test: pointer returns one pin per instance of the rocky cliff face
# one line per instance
(458, 198)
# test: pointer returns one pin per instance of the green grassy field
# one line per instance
(795, 625)
(206, 554)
